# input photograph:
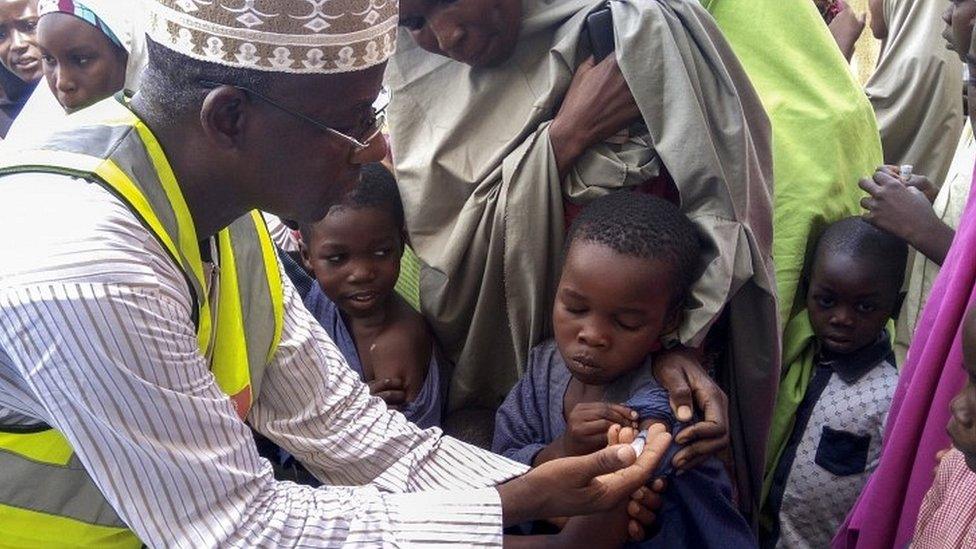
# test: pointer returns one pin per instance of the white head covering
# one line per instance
(288, 36)
(127, 20)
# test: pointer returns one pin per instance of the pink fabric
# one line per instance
(885, 514)
(948, 516)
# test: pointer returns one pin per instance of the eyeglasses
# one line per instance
(374, 125)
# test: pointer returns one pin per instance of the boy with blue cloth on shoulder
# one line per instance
(629, 264)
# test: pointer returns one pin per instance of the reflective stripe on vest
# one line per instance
(47, 499)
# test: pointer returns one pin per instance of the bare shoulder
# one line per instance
(404, 347)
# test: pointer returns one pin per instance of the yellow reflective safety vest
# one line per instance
(47, 499)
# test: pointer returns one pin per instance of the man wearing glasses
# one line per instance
(155, 321)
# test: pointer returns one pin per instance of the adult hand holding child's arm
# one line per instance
(688, 384)
(582, 485)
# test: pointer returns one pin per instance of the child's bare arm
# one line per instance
(402, 352)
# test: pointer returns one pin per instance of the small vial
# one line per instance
(639, 442)
(905, 171)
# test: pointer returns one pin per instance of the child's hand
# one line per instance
(688, 384)
(588, 423)
(391, 390)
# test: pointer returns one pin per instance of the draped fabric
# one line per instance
(916, 89)
(484, 201)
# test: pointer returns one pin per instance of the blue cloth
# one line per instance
(697, 510)
(425, 410)
(296, 273)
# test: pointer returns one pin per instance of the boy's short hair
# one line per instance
(854, 237)
(377, 188)
(646, 227)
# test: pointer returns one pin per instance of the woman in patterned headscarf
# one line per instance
(84, 58)
(91, 49)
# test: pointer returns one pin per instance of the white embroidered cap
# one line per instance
(289, 36)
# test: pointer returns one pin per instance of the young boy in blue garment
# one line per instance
(354, 252)
(630, 261)
(835, 440)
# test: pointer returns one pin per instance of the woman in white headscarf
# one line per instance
(91, 49)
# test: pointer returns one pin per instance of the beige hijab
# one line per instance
(916, 90)
(484, 203)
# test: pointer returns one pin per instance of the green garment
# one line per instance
(484, 201)
(825, 139)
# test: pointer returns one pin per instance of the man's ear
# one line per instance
(223, 116)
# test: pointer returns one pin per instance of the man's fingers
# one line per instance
(694, 454)
(679, 392)
(636, 531)
(713, 402)
(611, 459)
(640, 513)
(659, 485)
(648, 497)
(869, 186)
(883, 178)
(704, 429)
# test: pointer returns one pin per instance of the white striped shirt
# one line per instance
(96, 339)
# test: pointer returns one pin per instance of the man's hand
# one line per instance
(597, 105)
(582, 485)
(680, 372)
(846, 28)
(904, 211)
(644, 503)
